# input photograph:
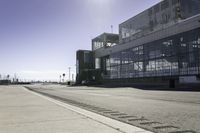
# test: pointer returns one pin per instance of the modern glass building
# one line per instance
(162, 43)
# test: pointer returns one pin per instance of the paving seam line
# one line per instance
(117, 125)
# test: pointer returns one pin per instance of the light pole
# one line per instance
(63, 77)
(69, 72)
(60, 78)
(111, 28)
(72, 77)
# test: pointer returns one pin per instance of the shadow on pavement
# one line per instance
(189, 88)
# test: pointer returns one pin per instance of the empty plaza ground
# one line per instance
(177, 108)
(23, 112)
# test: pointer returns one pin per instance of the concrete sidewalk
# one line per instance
(23, 112)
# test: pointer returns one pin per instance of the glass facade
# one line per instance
(155, 18)
(189, 8)
(172, 56)
(160, 16)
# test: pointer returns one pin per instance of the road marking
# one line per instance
(123, 127)
(94, 94)
(87, 93)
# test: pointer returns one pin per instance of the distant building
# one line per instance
(159, 45)
(5, 82)
(89, 68)
(84, 63)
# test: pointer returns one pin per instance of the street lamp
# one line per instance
(63, 77)
(69, 72)
(60, 78)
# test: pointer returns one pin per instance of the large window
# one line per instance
(175, 55)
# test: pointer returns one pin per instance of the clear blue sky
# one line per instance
(39, 38)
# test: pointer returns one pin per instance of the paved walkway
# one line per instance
(23, 112)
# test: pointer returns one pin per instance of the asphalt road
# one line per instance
(177, 108)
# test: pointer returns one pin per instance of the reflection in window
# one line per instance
(176, 55)
(97, 63)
